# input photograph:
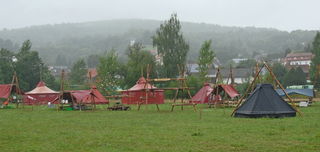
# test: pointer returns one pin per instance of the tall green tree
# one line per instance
(6, 66)
(280, 71)
(316, 60)
(205, 59)
(30, 68)
(138, 61)
(109, 73)
(78, 72)
(171, 45)
(295, 77)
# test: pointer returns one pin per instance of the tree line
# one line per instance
(96, 37)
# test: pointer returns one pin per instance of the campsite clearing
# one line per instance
(148, 130)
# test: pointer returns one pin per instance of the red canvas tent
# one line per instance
(230, 90)
(96, 96)
(40, 95)
(92, 96)
(203, 95)
(137, 94)
(5, 90)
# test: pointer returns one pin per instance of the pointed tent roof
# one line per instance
(141, 85)
(230, 90)
(41, 89)
(202, 96)
(265, 102)
(96, 95)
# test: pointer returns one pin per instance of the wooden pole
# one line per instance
(316, 76)
(282, 88)
(146, 87)
(216, 95)
(12, 84)
(231, 75)
(61, 89)
(94, 102)
(18, 90)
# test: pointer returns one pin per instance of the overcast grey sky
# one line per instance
(280, 14)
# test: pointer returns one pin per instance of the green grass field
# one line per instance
(148, 130)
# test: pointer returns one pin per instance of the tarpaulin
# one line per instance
(305, 92)
(230, 90)
(203, 95)
(5, 90)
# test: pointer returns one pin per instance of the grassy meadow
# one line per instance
(43, 129)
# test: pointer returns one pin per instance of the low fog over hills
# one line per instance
(96, 37)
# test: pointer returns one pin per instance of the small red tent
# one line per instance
(203, 95)
(95, 96)
(40, 95)
(5, 90)
(230, 90)
(92, 96)
(137, 94)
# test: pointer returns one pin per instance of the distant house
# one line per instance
(294, 60)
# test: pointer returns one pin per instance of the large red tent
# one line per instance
(137, 94)
(40, 95)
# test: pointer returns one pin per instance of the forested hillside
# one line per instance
(78, 40)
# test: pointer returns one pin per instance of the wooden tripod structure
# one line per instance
(182, 87)
(217, 88)
(15, 83)
(252, 86)
(216, 85)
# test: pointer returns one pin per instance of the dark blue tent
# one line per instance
(264, 101)
(305, 92)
